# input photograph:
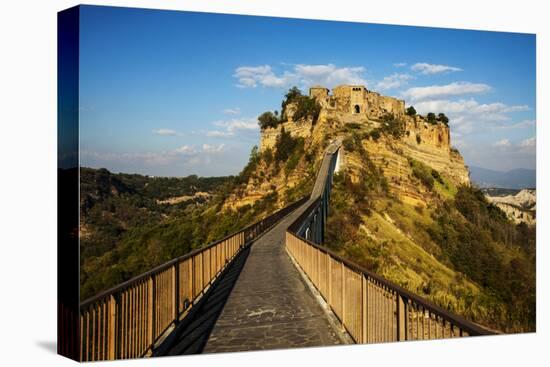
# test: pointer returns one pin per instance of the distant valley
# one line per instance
(519, 178)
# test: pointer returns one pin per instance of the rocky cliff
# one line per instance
(417, 139)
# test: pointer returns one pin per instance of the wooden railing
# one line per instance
(129, 319)
(370, 308)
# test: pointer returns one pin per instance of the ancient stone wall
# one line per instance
(269, 136)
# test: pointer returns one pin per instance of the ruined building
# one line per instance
(356, 102)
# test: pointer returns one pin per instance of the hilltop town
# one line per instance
(354, 107)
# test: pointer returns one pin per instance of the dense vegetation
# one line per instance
(305, 108)
(125, 231)
(480, 242)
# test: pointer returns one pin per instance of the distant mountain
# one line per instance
(515, 179)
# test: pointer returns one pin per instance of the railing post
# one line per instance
(343, 294)
(364, 309)
(151, 315)
(329, 262)
(401, 319)
(176, 294)
(113, 321)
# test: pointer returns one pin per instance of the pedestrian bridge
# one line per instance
(271, 285)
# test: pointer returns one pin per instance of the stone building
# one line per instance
(356, 102)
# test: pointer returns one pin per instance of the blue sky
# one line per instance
(178, 93)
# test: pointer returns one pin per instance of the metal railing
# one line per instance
(370, 308)
(128, 320)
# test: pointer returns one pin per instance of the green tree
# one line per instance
(285, 145)
(268, 119)
(411, 111)
(307, 108)
(431, 118)
(292, 95)
(442, 118)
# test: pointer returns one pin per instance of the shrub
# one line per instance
(306, 107)
(442, 118)
(431, 118)
(268, 156)
(374, 134)
(285, 145)
(353, 125)
(437, 176)
(411, 111)
(422, 172)
(268, 119)
(292, 95)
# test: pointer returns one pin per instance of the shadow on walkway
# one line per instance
(192, 333)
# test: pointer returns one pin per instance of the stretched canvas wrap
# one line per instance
(232, 183)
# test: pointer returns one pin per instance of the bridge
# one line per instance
(270, 285)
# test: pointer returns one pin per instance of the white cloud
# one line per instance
(328, 75)
(518, 125)
(502, 143)
(525, 147)
(428, 69)
(238, 124)
(185, 149)
(303, 75)
(166, 132)
(219, 134)
(400, 64)
(467, 115)
(528, 142)
(483, 111)
(528, 145)
(251, 76)
(442, 91)
(393, 81)
(207, 148)
(232, 111)
(189, 154)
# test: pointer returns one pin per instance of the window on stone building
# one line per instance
(357, 108)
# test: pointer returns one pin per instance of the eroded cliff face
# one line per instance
(419, 140)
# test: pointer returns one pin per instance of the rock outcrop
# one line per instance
(520, 207)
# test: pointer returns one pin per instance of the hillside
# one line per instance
(520, 207)
(402, 204)
(132, 223)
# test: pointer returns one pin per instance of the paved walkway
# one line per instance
(270, 307)
(260, 302)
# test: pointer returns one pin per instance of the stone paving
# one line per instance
(270, 307)
(260, 302)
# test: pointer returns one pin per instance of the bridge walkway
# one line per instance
(271, 306)
(261, 302)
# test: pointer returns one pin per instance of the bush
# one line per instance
(253, 160)
(268, 156)
(422, 172)
(442, 118)
(374, 134)
(411, 111)
(437, 176)
(431, 118)
(268, 119)
(292, 95)
(285, 145)
(306, 107)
